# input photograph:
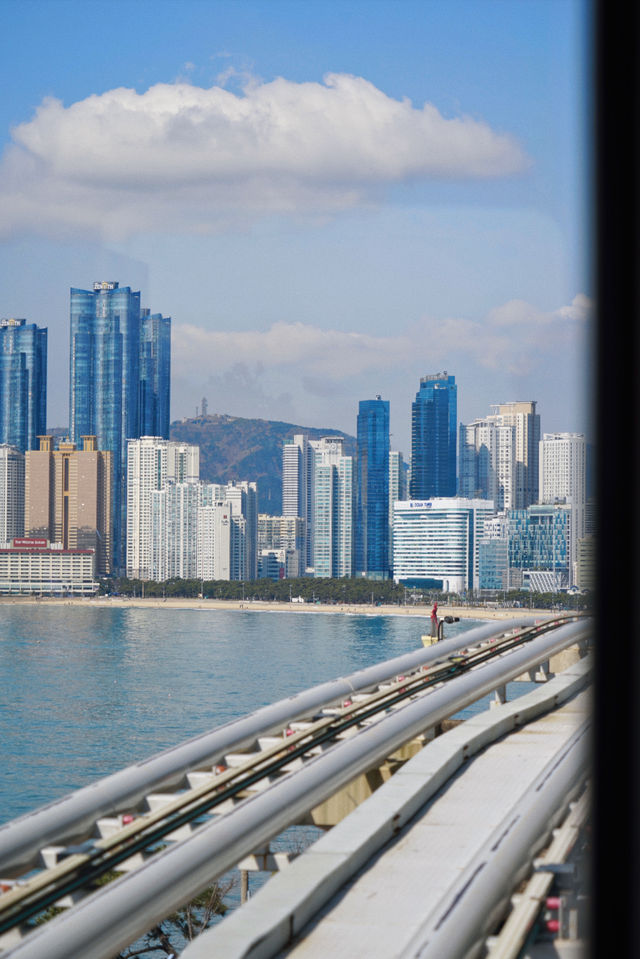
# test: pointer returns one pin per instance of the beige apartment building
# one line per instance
(68, 497)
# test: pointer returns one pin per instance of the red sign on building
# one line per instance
(30, 543)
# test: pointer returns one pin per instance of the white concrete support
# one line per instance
(500, 695)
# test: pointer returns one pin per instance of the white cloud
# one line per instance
(180, 157)
(303, 353)
(518, 313)
(303, 374)
(309, 350)
(580, 310)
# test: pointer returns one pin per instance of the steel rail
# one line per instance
(72, 818)
(113, 917)
(461, 920)
(520, 922)
(104, 855)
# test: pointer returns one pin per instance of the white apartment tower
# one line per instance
(398, 488)
(152, 464)
(175, 543)
(333, 509)
(11, 493)
(214, 526)
(563, 473)
(297, 487)
(498, 456)
(228, 531)
(243, 499)
(522, 416)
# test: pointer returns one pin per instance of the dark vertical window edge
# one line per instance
(616, 767)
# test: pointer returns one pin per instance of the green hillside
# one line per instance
(232, 448)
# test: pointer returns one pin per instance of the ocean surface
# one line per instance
(87, 691)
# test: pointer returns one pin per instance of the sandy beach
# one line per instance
(119, 602)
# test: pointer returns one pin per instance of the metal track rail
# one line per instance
(460, 922)
(73, 818)
(88, 864)
(521, 921)
(82, 867)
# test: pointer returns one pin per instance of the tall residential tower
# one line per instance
(499, 456)
(297, 489)
(11, 493)
(118, 380)
(563, 478)
(434, 426)
(23, 383)
(372, 489)
(332, 509)
(67, 497)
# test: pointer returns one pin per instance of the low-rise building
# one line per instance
(279, 564)
(37, 566)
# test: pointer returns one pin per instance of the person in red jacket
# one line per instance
(434, 620)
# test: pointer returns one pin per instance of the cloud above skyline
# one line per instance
(514, 338)
(182, 158)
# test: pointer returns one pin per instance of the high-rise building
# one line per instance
(243, 498)
(563, 477)
(297, 488)
(280, 532)
(118, 379)
(487, 465)
(231, 512)
(11, 493)
(175, 531)
(281, 537)
(499, 456)
(180, 527)
(540, 542)
(435, 542)
(214, 559)
(152, 463)
(333, 505)
(372, 489)
(523, 418)
(155, 374)
(586, 564)
(434, 427)
(563, 468)
(23, 383)
(68, 497)
(398, 489)
(493, 555)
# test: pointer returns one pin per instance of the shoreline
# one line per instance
(423, 612)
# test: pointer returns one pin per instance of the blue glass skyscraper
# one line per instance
(23, 383)
(372, 489)
(118, 380)
(434, 425)
(155, 374)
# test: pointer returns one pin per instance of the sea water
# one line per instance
(88, 690)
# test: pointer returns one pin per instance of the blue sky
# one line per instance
(330, 199)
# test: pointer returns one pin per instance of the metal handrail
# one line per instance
(117, 914)
(72, 818)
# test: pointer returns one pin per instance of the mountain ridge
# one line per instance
(239, 448)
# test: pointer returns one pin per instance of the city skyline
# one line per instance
(312, 273)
